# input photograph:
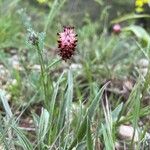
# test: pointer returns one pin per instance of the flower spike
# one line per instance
(67, 42)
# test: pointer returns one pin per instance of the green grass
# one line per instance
(60, 107)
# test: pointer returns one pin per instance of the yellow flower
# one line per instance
(139, 9)
(139, 3)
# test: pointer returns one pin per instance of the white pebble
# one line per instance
(126, 133)
(143, 63)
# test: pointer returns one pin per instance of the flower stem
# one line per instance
(43, 74)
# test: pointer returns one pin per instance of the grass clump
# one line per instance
(80, 103)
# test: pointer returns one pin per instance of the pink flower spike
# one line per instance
(67, 42)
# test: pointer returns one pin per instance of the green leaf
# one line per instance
(55, 7)
(129, 17)
(90, 112)
(100, 2)
(139, 32)
(136, 111)
(80, 134)
(89, 141)
(69, 94)
(107, 139)
(92, 108)
(66, 104)
(5, 104)
(115, 113)
(23, 141)
(43, 124)
(52, 104)
(41, 37)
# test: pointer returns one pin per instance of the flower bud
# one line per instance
(33, 38)
(117, 28)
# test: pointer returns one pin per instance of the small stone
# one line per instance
(16, 65)
(4, 74)
(13, 51)
(14, 61)
(8, 96)
(14, 82)
(146, 100)
(1, 147)
(147, 135)
(143, 71)
(117, 146)
(75, 66)
(30, 121)
(128, 85)
(143, 63)
(145, 145)
(126, 133)
(36, 67)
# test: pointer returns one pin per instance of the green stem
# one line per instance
(43, 72)
(51, 15)
(53, 63)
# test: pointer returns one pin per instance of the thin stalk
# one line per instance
(52, 13)
(43, 72)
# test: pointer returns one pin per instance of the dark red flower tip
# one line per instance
(67, 42)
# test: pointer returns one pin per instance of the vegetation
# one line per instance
(82, 102)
